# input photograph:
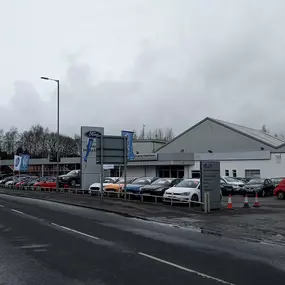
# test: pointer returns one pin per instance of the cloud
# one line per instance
(226, 62)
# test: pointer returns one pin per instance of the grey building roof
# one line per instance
(254, 134)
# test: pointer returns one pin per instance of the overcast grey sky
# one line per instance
(124, 63)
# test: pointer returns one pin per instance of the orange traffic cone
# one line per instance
(256, 202)
(230, 204)
(246, 205)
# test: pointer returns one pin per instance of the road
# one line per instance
(43, 242)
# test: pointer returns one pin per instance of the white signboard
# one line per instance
(145, 156)
(90, 171)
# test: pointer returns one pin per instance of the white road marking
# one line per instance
(185, 269)
(75, 231)
(16, 211)
(32, 246)
(1, 206)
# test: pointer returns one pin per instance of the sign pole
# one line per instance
(102, 167)
(125, 167)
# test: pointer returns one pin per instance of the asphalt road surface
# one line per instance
(43, 242)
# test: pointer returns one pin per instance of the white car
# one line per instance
(183, 191)
(95, 187)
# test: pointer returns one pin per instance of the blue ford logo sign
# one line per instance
(17, 162)
(92, 134)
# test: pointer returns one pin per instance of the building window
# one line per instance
(227, 172)
(234, 173)
(252, 173)
(195, 173)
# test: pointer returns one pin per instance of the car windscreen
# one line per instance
(188, 184)
(142, 181)
(256, 181)
(230, 179)
(162, 181)
(109, 180)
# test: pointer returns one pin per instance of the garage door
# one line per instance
(252, 173)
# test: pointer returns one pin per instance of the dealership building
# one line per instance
(242, 151)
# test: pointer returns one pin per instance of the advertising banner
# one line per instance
(21, 162)
(17, 162)
(90, 170)
(129, 136)
(25, 159)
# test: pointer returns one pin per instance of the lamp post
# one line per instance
(57, 138)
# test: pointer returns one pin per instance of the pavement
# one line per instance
(265, 224)
(44, 242)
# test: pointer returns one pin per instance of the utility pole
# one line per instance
(143, 132)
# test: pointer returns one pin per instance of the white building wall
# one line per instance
(140, 171)
(135, 171)
(150, 170)
(275, 167)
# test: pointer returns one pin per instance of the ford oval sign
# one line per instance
(92, 134)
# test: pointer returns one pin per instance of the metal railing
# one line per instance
(121, 195)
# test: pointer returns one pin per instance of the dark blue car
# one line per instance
(137, 184)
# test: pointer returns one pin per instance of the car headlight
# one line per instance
(185, 193)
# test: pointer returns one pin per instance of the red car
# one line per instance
(46, 184)
(279, 191)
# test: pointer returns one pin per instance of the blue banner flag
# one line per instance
(129, 136)
(25, 159)
(89, 146)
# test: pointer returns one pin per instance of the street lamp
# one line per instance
(57, 139)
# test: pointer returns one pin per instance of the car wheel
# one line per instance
(194, 199)
(72, 183)
(280, 195)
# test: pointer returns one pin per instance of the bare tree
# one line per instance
(149, 135)
(77, 140)
(264, 129)
(135, 136)
(169, 134)
(10, 140)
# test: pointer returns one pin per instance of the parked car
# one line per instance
(25, 180)
(188, 189)
(279, 191)
(137, 184)
(118, 186)
(243, 179)
(72, 178)
(14, 181)
(237, 184)
(159, 186)
(227, 188)
(276, 181)
(31, 182)
(5, 180)
(264, 187)
(95, 187)
(50, 183)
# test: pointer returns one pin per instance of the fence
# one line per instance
(120, 195)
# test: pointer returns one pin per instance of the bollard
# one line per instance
(189, 204)
(207, 203)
